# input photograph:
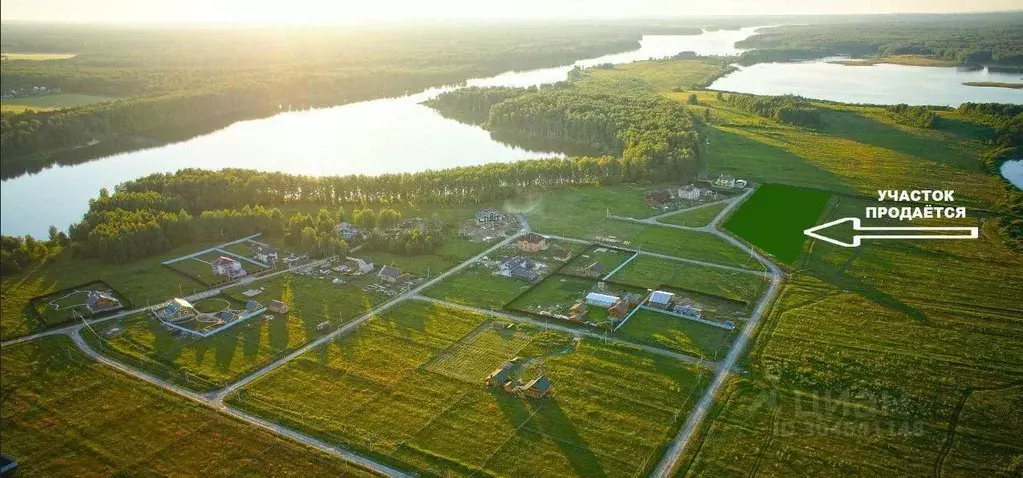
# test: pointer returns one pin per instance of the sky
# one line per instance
(329, 11)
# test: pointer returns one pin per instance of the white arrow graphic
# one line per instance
(816, 232)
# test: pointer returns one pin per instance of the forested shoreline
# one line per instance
(989, 39)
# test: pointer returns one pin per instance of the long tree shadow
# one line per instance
(225, 345)
(553, 421)
(166, 347)
(251, 336)
(838, 278)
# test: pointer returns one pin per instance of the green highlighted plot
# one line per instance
(774, 218)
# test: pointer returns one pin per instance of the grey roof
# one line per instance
(390, 271)
(541, 383)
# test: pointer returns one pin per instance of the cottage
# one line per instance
(660, 299)
(322, 325)
(363, 266)
(346, 231)
(101, 301)
(604, 301)
(277, 307)
(228, 267)
(619, 310)
(519, 267)
(539, 387)
(389, 274)
(175, 310)
(265, 254)
(657, 198)
(499, 376)
(740, 183)
(489, 215)
(532, 243)
(689, 192)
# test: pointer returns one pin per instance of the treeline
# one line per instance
(789, 109)
(990, 39)
(1007, 121)
(919, 116)
(472, 105)
(653, 135)
(17, 253)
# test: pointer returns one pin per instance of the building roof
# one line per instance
(181, 303)
(532, 238)
(390, 271)
(540, 384)
(661, 297)
(224, 260)
(603, 299)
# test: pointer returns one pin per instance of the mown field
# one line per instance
(678, 334)
(407, 389)
(652, 272)
(579, 213)
(50, 102)
(862, 370)
(64, 415)
(698, 217)
(210, 363)
(774, 217)
(478, 286)
(143, 282)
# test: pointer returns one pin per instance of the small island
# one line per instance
(994, 84)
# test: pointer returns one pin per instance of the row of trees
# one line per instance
(919, 116)
(408, 242)
(16, 253)
(789, 109)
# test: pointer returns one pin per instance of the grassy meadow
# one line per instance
(678, 334)
(65, 415)
(209, 363)
(652, 272)
(774, 217)
(142, 282)
(50, 102)
(698, 217)
(407, 388)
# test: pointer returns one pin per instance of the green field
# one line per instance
(698, 217)
(774, 217)
(407, 389)
(557, 293)
(51, 102)
(584, 264)
(652, 272)
(478, 286)
(142, 282)
(210, 363)
(67, 305)
(64, 415)
(678, 334)
(454, 251)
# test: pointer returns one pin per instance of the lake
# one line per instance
(875, 84)
(400, 135)
(1013, 172)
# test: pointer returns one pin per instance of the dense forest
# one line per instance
(177, 83)
(789, 109)
(919, 116)
(963, 39)
(653, 135)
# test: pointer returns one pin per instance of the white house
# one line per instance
(689, 192)
(740, 183)
(346, 231)
(597, 299)
(660, 299)
(225, 266)
(725, 181)
(364, 266)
